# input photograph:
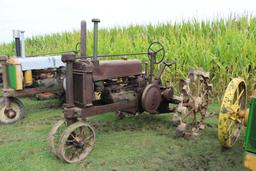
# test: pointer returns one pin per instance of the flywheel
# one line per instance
(232, 113)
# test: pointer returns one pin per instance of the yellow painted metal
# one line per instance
(19, 78)
(12, 60)
(230, 119)
(97, 95)
(250, 161)
(28, 78)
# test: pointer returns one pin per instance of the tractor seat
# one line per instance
(109, 69)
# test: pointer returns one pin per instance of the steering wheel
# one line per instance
(156, 52)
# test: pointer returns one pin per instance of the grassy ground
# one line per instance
(143, 142)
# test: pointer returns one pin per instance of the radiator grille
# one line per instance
(78, 88)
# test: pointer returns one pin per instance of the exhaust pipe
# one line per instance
(19, 43)
(16, 36)
(22, 44)
(95, 48)
(83, 40)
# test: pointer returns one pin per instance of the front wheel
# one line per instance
(73, 143)
(13, 112)
(55, 135)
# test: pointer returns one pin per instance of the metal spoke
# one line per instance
(230, 126)
(88, 138)
(187, 115)
(81, 132)
(70, 140)
(159, 50)
(72, 136)
(238, 98)
(68, 146)
(196, 95)
(152, 49)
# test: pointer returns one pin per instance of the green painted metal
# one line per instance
(11, 73)
(250, 136)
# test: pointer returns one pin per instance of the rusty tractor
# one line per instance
(96, 86)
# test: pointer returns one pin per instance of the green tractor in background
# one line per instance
(234, 115)
(38, 75)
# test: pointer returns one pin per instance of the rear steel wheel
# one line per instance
(76, 142)
(195, 92)
(232, 113)
(12, 113)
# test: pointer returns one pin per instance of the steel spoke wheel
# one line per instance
(76, 142)
(232, 112)
(12, 113)
(195, 93)
(55, 135)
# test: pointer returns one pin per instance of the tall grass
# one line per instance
(224, 48)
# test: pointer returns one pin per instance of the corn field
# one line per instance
(225, 48)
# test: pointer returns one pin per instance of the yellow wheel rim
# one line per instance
(230, 116)
(16, 106)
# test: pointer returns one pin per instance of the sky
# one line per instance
(50, 16)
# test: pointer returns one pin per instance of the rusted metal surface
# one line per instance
(151, 98)
(83, 83)
(27, 91)
(83, 40)
(117, 68)
(3, 60)
(95, 87)
(95, 38)
(195, 93)
(118, 106)
(69, 59)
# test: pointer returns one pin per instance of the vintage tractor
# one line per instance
(234, 115)
(21, 76)
(96, 86)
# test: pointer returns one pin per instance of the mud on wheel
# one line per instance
(195, 92)
(72, 144)
(13, 112)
